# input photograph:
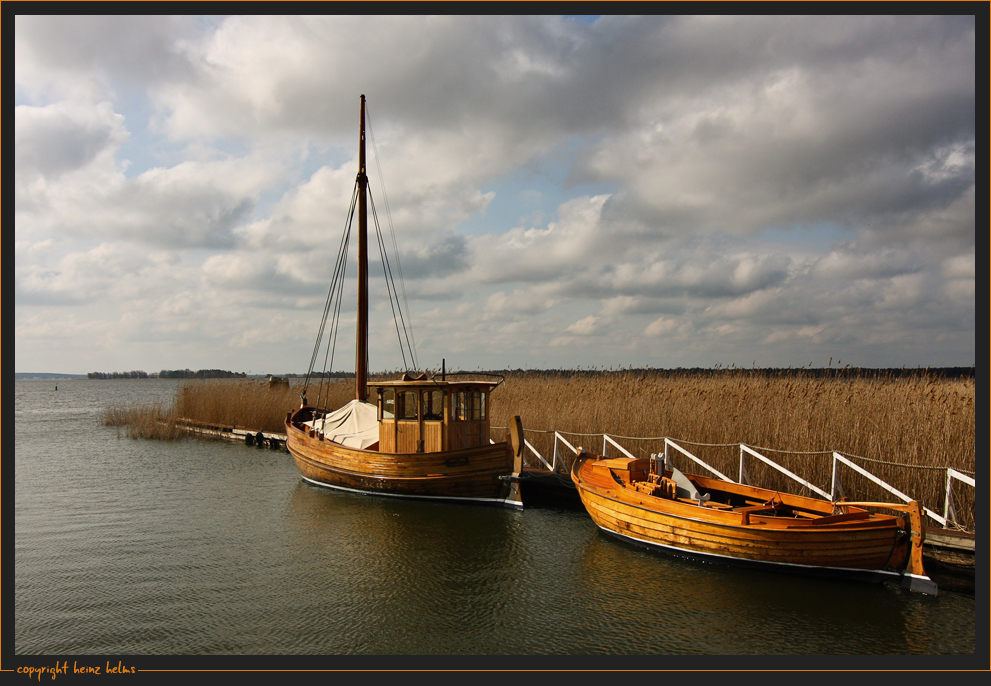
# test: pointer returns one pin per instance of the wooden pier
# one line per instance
(949, 557)
(253, 437)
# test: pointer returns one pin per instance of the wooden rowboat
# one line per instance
(717, 520)
(416, 437)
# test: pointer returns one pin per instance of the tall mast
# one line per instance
(361, 365)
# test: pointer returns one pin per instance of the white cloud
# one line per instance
(564, 193)
(663, 327)
(586, 327)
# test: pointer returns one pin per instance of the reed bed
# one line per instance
(905, 430)
(247, 404)
(148, 421)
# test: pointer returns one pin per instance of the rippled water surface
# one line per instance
(138, 547)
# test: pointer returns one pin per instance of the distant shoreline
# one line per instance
(944, 372)
(44, 376)
(41, 375)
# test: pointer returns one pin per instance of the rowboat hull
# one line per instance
(793, 534)
(468, 475)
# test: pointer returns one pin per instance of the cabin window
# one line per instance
(406, 405)
(468, 406)
(477, 406)
(387, 404)
(433, 405)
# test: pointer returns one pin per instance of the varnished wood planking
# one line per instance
(854, 540)
(869, 550)
(469, 473)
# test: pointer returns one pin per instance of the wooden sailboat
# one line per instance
(415, 437)
(649, 503)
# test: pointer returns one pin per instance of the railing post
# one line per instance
(948, 509)
(562, 439)
(832, 486)
(948, 500)
(621, 448)
(534, 451)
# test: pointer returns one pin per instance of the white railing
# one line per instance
(949, 514)
(533, 450)
(744, 450)
(606, 440)
(836, 488)
(558, 438)
(839, 459)
(668, 443)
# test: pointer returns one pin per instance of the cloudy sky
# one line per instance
(564, 191)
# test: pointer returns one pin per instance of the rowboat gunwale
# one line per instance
(688, 529)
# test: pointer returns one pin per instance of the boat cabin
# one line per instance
(428, 415)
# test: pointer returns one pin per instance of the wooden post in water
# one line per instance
(516, 445)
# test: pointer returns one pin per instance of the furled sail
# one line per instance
(354, 425)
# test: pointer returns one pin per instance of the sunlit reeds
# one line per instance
(147, 421)
(916, 420)
(247, 404)
(904, 429)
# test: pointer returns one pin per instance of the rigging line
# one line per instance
(335, 327)
(340, 270)
(389, 283)
(393, 301)
(335, 320)
(390, 290)
(335, 286)
(321, 328)
(407, 330)
(342, 251)
(392, 230)
(396, 319)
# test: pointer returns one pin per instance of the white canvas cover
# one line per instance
(354, 425)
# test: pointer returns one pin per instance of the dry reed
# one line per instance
(906, 430)
(148, 421)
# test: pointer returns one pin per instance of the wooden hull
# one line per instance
(470, 474)
(797, 534)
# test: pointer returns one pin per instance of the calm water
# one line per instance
(150, 548)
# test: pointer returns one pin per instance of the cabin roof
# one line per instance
(434, 383)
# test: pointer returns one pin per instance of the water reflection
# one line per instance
(407, 576)
(694, 607)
